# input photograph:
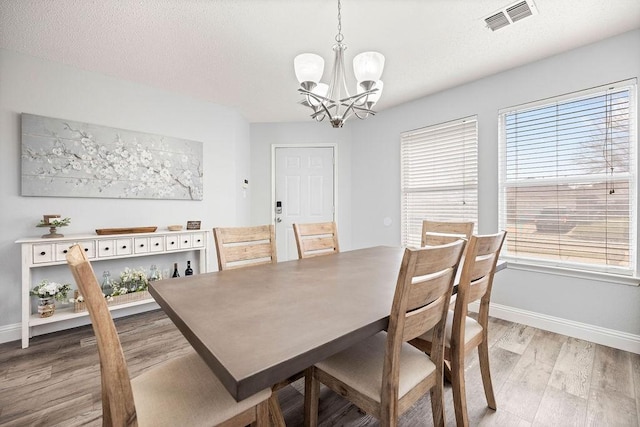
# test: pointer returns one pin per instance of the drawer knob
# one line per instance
(142, 245)
(186, 241)
(157, 244)
(124, 246)
(173, 243)
(86, 249)
(107, 248)
(43, 253)
(65, 251)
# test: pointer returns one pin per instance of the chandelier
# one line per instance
(333, 100)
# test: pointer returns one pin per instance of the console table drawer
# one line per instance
(107, 248)
(141, 245)
(156, 244)
(62, 249)
(173, 243)
(43, 253)
(197, 240)
(185, 241)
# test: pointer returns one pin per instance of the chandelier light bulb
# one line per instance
(368, 66)
(309, 67)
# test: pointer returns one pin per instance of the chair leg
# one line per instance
(275, 412)
(311, 398)
(447, 371)
(459, 390)
(437, 404)
(483, 355)
(262, 414)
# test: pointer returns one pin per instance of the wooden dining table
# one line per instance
(258, 326)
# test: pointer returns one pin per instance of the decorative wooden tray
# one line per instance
(129, 230)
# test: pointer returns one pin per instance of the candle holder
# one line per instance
(53, 222)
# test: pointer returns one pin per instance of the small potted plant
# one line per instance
(47, 293)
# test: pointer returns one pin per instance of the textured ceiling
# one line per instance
(240, 53)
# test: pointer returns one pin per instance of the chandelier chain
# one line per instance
(339, 36)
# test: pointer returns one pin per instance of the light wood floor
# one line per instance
(540, 379)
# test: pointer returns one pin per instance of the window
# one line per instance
(568, 180)
(439, 176)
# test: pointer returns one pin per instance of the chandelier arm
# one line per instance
(322, 103)
(359, 96)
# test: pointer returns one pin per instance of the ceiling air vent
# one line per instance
(510, 14)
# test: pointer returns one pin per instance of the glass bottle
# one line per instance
(154, 274)
(107, 284)
(175, 270)
(189, 270)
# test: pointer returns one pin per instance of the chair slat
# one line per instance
(243, 246)
(436, 233)
(426, 290)
(419, 321)
(315, 239)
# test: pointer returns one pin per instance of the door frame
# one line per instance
(333, 146)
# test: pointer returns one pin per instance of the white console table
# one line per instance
(42, 253)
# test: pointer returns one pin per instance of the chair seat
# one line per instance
(184, 391)
(472, 329)
(361, 366)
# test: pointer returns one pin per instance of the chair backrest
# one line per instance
(118, 407)
(420, 303)
(476, 280)
(315, 239)
(439, 232)
(245, 246)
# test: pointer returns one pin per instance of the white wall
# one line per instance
(376, 173)
(45, 88)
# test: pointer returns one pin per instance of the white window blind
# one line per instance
(439, 176)
(568, 180)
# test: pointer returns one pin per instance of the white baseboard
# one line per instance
(10, 333)
(609, 337)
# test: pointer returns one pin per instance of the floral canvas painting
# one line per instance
(63, 158)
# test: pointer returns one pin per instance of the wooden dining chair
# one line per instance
(240, 247)
(245, 246)
(440, 232)
(320, 238)
(463, 333)
(384, 375)
(182, 391)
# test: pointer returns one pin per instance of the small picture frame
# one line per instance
(193, 225)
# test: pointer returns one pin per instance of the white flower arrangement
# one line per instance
(131, 281)
(46, 289)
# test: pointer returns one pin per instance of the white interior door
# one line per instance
(304, 192)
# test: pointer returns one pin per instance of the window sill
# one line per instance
(587, 275)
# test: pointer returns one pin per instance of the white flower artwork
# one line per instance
(63, 158)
